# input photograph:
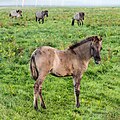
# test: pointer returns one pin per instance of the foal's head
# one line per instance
(96, 47)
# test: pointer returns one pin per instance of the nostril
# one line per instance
(98, 58)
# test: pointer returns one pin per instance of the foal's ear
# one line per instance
(95, 38)
(100, 38)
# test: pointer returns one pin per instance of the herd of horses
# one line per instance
(72, 61)
(39, 15)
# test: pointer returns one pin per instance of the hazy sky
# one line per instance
(61, 2)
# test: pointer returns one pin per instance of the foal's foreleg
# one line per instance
(77, 89)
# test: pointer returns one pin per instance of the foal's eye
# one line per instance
(101, 48)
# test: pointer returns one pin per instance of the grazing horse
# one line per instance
(79, 17)
(15, 13)
(40, 15)
(70, 62)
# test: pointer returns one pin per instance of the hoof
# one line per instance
(43, 106)
(36, 108)
(78, 105)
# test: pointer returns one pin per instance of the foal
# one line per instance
(79, 17)
(70, 62)
(40, 15)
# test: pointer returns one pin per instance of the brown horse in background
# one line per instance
(70, 62)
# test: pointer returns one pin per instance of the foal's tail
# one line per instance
(33, 68)
(73, 20)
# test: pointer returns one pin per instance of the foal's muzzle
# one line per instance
(97, 60)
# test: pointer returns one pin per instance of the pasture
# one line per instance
(100, 85)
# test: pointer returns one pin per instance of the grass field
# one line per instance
(100, 85)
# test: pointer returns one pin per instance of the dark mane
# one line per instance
(82, 42)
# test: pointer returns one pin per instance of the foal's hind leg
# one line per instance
(37, 92)
(36, 88)
(40, 93)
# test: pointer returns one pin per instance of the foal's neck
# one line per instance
(83, 51)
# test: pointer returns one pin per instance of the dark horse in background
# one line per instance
(70, 62)
(40, 15)
(79, 17)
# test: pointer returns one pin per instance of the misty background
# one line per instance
(112, 3)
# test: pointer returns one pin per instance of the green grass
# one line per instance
(100, 85)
